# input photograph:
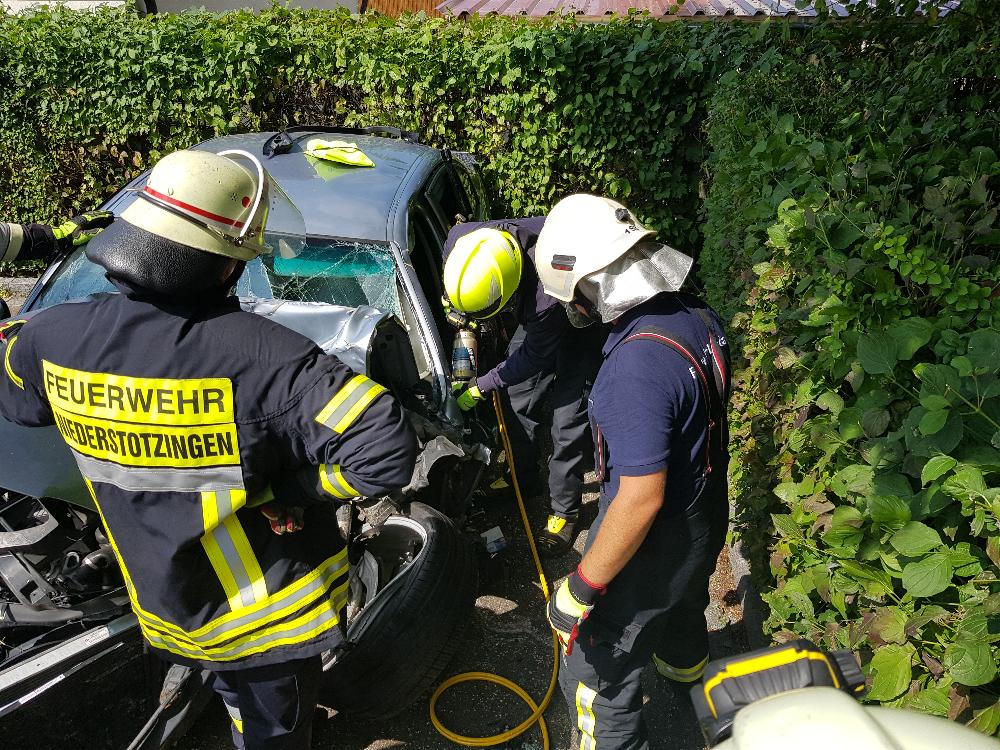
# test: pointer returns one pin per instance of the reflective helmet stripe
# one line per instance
(187, 207)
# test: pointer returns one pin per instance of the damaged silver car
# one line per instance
(365, 287)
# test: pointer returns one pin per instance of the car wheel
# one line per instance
(403, 639)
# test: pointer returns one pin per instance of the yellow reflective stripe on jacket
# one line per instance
(332, 479)
(228, 549)
(7, 366)
(303, 628)
(279, 605)
(585, 719)
(129, 586)
(350, 401)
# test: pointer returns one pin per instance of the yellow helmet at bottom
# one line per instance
(482, 272)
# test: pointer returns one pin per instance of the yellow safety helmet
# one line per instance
(216, 203)
(482, 272)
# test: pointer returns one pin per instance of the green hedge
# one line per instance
(852, 230)
(843, 181)
(553, 108)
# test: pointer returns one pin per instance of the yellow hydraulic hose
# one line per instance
(536, 709)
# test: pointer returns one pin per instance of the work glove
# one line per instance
(469, 398)
(283, 519)
(81, 229)
(570, 605)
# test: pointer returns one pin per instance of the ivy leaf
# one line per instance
(830, 402)
(933, 421)
(875, 422)
(936, 468)
(888, 626)
(987, 720)
(875, 581)
(786, 526)
(984, 349)
(910, 334)
(930, 701)
(856, 478)
(928, 576)
(877, 353)
(965, 484)
(843, 235)
(888, 510)
(891, 671)
(970, 662)
(914, 539)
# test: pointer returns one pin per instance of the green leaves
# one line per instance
(915, 538)
(984, 350)
(928, 576)
(970, 662)
(910, 334)
(936, 467)
(878, 353)
(891, 672)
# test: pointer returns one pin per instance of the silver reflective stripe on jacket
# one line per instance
(11, 239)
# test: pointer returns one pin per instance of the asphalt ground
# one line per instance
(507, 634)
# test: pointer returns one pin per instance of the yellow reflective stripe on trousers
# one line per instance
(278, 606)
(585, 719)
(332, 479)
(10, 370)
(678, 674)
(349, 402)
(228, 548)
(303, 628)
(235, 715)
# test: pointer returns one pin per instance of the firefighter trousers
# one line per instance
(601, 676)
(272, 707)
(567, 387)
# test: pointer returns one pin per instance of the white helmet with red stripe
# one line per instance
(217, 203)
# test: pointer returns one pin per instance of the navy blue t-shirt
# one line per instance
(647, 407)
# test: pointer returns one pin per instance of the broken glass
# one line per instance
(334, 272)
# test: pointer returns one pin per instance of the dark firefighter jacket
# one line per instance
(26, 242)
(179, 416)
(543, 317)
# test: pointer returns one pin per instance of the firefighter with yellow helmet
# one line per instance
(489, 267)
(182, 411)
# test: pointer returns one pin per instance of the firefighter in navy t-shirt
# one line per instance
(658, 413)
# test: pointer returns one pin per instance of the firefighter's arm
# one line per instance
(42, 242)
(628, 520)
(21, 397)
(353, 439)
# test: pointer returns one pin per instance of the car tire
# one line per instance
(403, 640)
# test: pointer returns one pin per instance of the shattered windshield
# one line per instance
(337, 272)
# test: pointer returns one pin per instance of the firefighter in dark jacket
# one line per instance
(658, 411)
(42, 242)
(182, 411)
(490, 266)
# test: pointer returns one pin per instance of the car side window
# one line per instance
(446, 196)
(426, 236)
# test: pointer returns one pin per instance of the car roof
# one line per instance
(364, 203)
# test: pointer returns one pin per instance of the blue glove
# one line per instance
(469, 398)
